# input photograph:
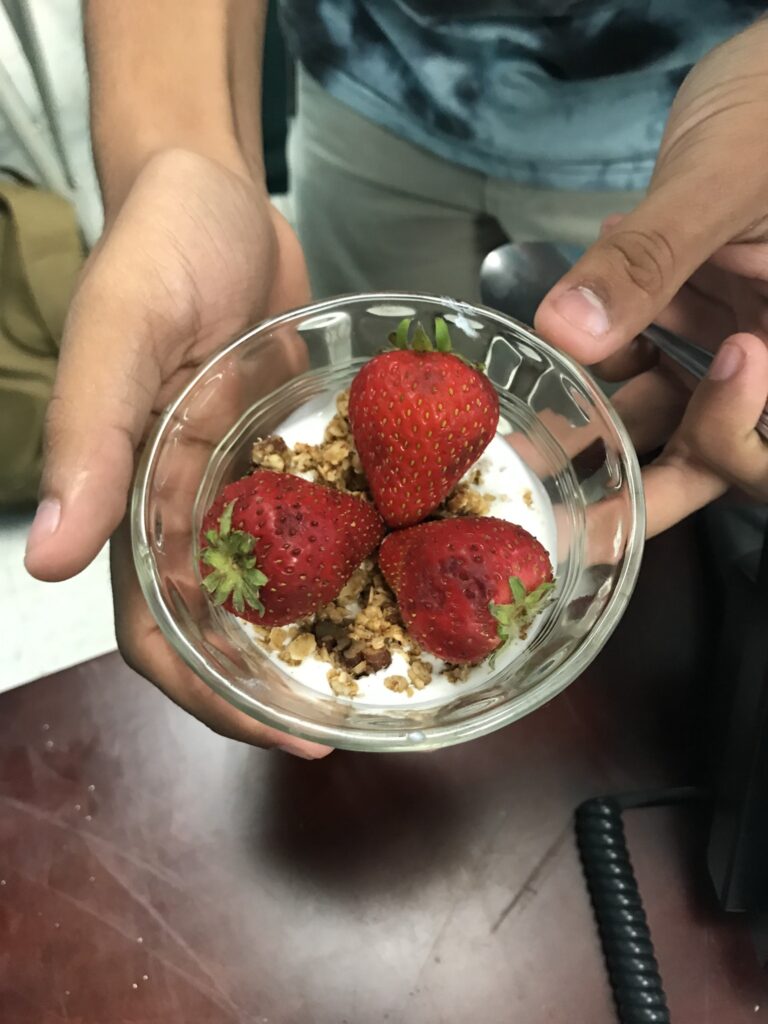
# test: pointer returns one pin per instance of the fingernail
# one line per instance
(727, 362)
(582, 309)
(45, 523)
(296, 753)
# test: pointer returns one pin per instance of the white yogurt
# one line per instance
(518, 497)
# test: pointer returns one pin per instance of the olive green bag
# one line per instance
(41, 254)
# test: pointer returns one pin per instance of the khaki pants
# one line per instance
(374, 212)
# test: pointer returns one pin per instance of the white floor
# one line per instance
(45, 627)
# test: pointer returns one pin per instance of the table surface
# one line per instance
(153, 872)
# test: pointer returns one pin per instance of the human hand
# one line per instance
(194, 254)
(694, 256)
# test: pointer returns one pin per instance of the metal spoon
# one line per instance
(515, 278)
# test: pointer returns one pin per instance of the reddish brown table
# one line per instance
(152, 872)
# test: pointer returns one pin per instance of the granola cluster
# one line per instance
(358, 633)
(334, 462)
(465, 500)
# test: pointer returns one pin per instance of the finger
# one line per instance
(716, 445)
(105, 386)
(135, 321)
(698, 316)
(749, 259)
(688, 315)
(750, 303)
(700, 311)
(696, 312)
(623, 281)
(719, 425)
(691, 315)
(675, 488)
(651, 406)
(146, 650)
(636, 357)
(108, 383)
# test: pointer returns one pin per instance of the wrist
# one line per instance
(180, 75)
(119, 167)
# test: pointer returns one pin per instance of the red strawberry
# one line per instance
(276, 547)
(420, 418)
(466, 586)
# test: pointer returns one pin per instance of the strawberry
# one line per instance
(276, 547)
(420, 418)
(466, 586)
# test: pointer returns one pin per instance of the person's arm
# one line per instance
(174, 74)
(693, 253)
(192, 253)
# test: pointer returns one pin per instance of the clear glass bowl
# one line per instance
(553, 415)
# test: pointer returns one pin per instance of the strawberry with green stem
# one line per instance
(421, 416)
(466, 587)
(275, 547)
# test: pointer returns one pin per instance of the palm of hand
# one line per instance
(215, 257)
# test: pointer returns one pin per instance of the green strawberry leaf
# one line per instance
(400, 337)
(225, 522)
(513, 618)
(411, 334)
(442, 335)
(211, 581)
(234, 573)
(421, 341)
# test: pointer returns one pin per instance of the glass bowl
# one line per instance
(553, 416)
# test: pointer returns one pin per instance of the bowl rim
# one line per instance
(400, 739)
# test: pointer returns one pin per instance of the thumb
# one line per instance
(633, 271)
(719, 423)
(105, 386)
(716, 444)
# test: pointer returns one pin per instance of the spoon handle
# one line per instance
(693, 358)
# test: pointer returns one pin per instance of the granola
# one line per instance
(271, 453)
(358, 633)
(456, 673)
(466, 501)
(398, 684)
(334, 462)
(419, 673)
(342, 683)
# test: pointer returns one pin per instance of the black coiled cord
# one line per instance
(638, 990)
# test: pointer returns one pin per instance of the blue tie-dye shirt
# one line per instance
(566, 94)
